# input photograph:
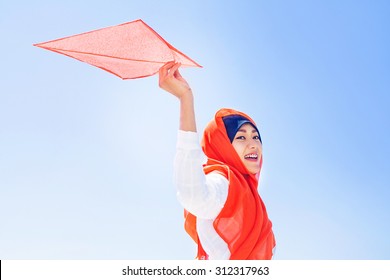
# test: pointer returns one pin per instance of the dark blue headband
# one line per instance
(233, 123)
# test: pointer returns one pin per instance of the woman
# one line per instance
(224, 213)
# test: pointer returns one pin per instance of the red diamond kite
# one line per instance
(129, 50)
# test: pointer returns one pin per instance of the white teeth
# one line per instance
(254, 156)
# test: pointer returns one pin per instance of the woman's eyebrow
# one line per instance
(244, 130)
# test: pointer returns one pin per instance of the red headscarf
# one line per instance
(243, 222)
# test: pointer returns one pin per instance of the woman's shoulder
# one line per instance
(214, 166)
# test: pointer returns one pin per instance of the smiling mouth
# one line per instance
(251, 156)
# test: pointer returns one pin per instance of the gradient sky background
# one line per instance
(86, 158)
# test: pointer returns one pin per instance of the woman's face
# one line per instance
(248, 147)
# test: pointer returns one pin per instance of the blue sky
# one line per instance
(86, 158)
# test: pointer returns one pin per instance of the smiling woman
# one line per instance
(224, 214)
(248, 147)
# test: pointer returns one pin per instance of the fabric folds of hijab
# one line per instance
(243, 223)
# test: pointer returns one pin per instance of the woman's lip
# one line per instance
(247, 157)
(251, 159)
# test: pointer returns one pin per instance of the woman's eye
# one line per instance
(240, 137)
(256, 137)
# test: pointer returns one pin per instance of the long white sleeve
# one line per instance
(202, 195)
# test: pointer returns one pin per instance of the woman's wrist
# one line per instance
(187, 97)
(187, 112)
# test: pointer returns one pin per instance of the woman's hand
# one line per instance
(171, 80)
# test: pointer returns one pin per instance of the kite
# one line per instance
(130, 50)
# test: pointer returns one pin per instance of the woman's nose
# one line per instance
(252, 144)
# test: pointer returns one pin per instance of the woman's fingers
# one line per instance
(170, 67)
(168, 71)
(177, 74)
(171, 80)
(174, 68)
(163, 71)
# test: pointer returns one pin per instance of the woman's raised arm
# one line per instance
(171, 81)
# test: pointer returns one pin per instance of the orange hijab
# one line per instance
(243, 222)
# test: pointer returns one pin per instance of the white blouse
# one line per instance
(202, 195)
